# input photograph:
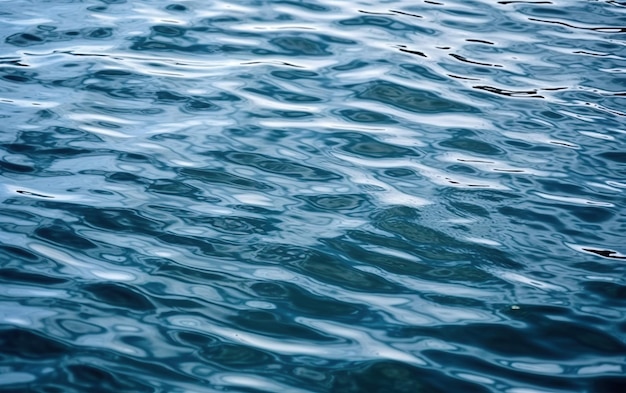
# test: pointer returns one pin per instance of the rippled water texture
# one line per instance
(313, 196)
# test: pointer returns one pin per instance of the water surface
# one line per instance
(312, 196)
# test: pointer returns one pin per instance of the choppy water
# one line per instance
(313, 196)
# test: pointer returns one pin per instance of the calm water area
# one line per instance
(313, 196)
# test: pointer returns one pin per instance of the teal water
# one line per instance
(313, 196)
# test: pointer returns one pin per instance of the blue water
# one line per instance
(313, 196)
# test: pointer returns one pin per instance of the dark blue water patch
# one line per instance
(275, 165)
(272, 325)
(605, 292)
(61, 234)
(235, 357)
(618, 157)
(15, 168)
(14, 275)
(120, 220)
(168, 30)
(383, 375)
(19, 76)
(472, 146)
(176, 8)
(26, 344)
(408, 99)
(565, 335)
(366, 146)
(36, 152)
(300, 45)
(295, 74)
(47, 34)
(10, 255)
(86, 376)
(115, 295)
(324, 268)
(460, 362)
